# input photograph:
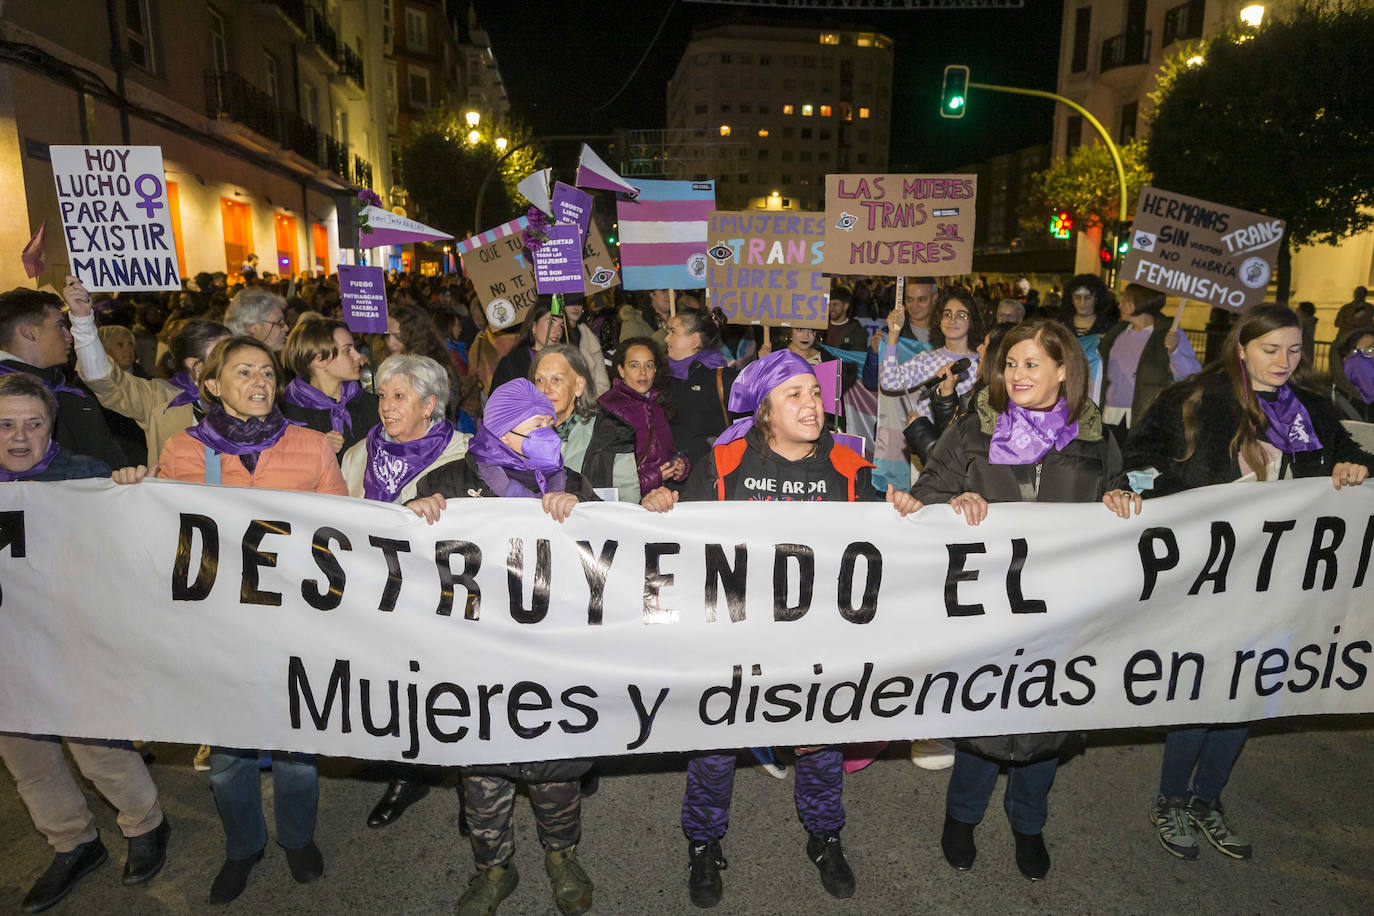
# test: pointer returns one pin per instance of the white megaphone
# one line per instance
(593, 173)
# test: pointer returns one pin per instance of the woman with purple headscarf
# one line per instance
(781, 450)
(1032, 435)
(517, 453)
(1241, 418)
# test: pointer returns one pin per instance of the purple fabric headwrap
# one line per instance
(508, 406)
(753, 385)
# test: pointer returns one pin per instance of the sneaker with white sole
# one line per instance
(933, 754)
(1173, 826)
(1207, 818)
(767, 764)
(202, 758)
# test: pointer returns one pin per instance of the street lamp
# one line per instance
(474, 136)
(473, 118)
(1195, 60)
(1252, 15)
(501, 144)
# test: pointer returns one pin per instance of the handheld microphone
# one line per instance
(959, 367)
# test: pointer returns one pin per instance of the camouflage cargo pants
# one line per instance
(489, 802)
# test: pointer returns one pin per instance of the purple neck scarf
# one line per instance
(1023, 436)
(189, 392)
(508, 406)
(53, 377)
(391, 464)
(1359, 371)
(1290, 427)
(303, 394)
(246, 438)
(39, 468)
(711, 359)
(753, 385)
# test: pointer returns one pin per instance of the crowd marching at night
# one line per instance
(991, 392)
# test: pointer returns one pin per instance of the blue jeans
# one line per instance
(1211, 751)
(236, 782)
(1026, 798)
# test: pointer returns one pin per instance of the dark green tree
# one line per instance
(1278, 120)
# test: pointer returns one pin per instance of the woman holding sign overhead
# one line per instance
(1032, 435)
(1243, 418)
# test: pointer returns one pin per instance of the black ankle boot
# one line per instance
(1031, 855)
(703, 880)
(399, 795)
(957, 844)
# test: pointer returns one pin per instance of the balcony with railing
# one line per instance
(351, 64)
(1184, 22)
(292, 10)
(323, 33)
(1125, 50)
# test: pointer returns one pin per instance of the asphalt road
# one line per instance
(1301, 793)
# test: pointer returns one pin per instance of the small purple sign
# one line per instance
(363, 290)
(558, 262)
(572, 206)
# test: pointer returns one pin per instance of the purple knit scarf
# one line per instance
(303, 394)
(1023, 436)
(39, 468)
(1290, 427)
(246, 438)
(711, 359)
(391, 464)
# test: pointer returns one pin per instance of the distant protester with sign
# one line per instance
(1241, 419)
(1141, 356)
(1032, 435)
(779, 451)
(326, 395)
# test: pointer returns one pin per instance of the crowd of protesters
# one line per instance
(994, 395)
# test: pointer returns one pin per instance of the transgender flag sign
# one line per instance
(663, 234)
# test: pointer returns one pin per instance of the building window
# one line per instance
(764, 109)
(809, 62)
(806, 111)
(865, 40)
(763, 132)
(787, 155)
(138, 27)
(219, 42)
(830, 38)
(825, 133)
(1129, 115)
(765, 60)
(1082, 20)
(763, 155)
(804, 155)
(825, 111)
(863, 112)
(393, 104)
(418, 84)
(787, 109)
(394, 151)
(725, 57)
(742, 178)
(745, 108)
(417, 38)
(724, 107)
(700, 108)
(722, 179)
(789, 132)
(746, 58)
(806, 133)
(1074, 138)
(846, 111)
(311, 105)
(386, 25)
(725, 130)
(861, 158)
(786, 179)
(271, 77)
(789, 60)
(823, 156)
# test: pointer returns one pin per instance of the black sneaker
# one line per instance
(147, 854)
(705, 860)
(66, 869)
(1208, 820)
(823, 849)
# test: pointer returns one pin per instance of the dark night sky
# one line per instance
(561, 59)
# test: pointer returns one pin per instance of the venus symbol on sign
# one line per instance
(150, 203)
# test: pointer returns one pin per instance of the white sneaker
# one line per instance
(933, 754)
(202, 760)
(766, 763)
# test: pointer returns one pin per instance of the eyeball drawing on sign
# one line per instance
(696, 267)
(721, 252)
(1254, 272)
(603, 277)
(500, 313)
(846, 221)
(1144, 241)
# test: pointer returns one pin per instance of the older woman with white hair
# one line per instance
(259, 313)
(413, 437)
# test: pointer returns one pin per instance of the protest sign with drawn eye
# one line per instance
(900, 225)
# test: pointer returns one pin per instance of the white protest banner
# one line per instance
(115, 218)
(1212, 253)
(899, 225)
(764, 268)
(270, 619)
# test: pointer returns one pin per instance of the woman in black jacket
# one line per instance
(699, 383)
(1031, 435)
(1241, 418)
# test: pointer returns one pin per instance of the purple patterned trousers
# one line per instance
(711, 781)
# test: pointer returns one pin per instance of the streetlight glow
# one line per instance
(474, 136)
(501, 144)
(473, 118)
(1252, 15)
(1195, 60)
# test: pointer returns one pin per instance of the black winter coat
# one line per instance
(697, 405)
(80, 423)
(460, 479)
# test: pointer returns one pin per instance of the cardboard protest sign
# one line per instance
(558, 262)
(363, 291)
(764, 268)
(115, 218)
(1208, 252)
(900, 225)
(597, 262)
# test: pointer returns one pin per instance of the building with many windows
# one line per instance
(265, 110)
(768, 111)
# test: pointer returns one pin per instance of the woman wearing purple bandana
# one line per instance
(517, 453)
(412, 439)
(780, 451)
(698, 382)
(1031, 435)
(163, 407)
(325, 395)
(1356, 355)
(1241, 418)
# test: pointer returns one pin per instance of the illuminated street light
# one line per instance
(1195, 60)
(473, 118)
(501, 144)
(474, 136)
(1252, 15)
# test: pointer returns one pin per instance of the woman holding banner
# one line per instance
(782, 443)
(517, 453)
(1243, 418)
(326, 395)
(244, 441)
(1031, 435)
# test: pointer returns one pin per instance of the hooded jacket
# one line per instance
(747, 469)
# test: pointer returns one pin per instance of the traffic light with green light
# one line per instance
(954, 91)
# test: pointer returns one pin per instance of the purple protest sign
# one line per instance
(363, 290)
(558, 262)
(572, 206)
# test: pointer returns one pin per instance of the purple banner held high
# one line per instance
(572, 206)
(558, 262)
(363, 290)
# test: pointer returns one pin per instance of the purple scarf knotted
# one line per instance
(53, 377)
(391, 464)
(189, 392)
(1290, 426)
(246, 438)
(711, 359)
(303, 394)
(1359, 371)
(39, 468)
(500, 466)
(755, 383)
(1023, 436)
